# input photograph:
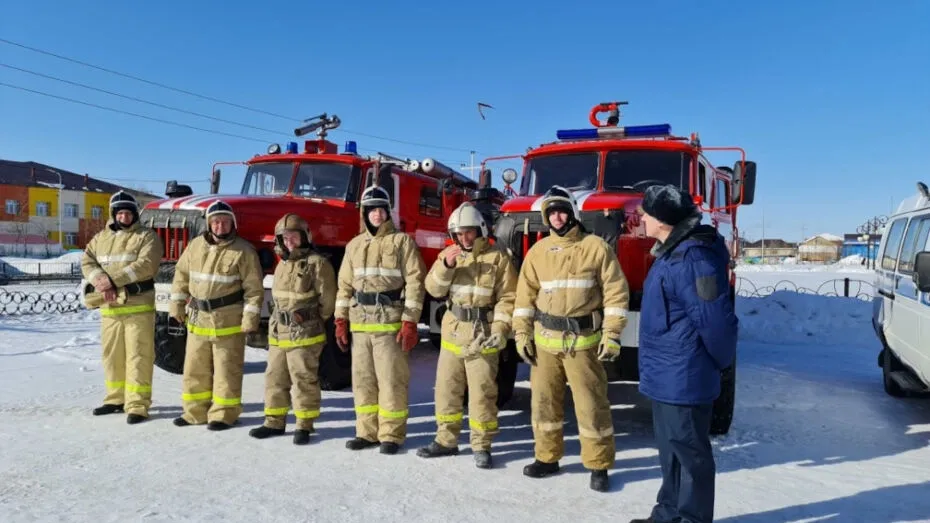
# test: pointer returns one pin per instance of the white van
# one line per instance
(901, 309)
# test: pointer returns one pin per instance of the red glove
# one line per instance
(408, 337)
(342, 334)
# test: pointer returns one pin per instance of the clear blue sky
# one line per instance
(831, 98)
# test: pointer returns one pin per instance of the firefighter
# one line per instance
(120, 263)
(380, 300)
(221, 274)
(304, 296)
(480, 282)
(571, 305)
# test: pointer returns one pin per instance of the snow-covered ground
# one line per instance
(814, 438)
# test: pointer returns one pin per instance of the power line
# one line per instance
(150, 82)
(163, 106)
(120, 111)
(217, 100)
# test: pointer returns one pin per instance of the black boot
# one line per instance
(132, 419)
(107, 409)
(483, 459)
(180, 422)
(360, 443)
(265, 432)
(218, 425)
(302, 437)
(388, 447)
(538, 469)
(641, 520)
(599, 480)
(435, 450)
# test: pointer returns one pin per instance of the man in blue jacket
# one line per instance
(688, 332)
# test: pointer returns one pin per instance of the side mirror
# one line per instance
(744, 181)
(509, 175)
(922, 271)
(215, 182)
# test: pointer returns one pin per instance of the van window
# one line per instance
(890, 254)
(722, 196)
(914, 241)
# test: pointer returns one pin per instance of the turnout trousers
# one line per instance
(212, 383)
(380, 384)
(588, 381)
(479, 374)
(292, 380)
(128, 340)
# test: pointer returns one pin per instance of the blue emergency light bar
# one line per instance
(291, 147)
(631, 131)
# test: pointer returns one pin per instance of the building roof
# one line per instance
(824, 237)
(771, 243)
(34, 174)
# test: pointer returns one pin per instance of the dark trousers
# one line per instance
(682, 434)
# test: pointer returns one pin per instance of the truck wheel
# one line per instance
(170, 336)
(722, 415)
(890, 364)
(170, 343)
(507, 373)
(335, 366)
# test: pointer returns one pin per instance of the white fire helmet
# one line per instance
(559, 197)
(467, 216)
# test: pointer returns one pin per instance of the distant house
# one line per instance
(823, 248)
(853, 246)
(30, 194)
(770, 250)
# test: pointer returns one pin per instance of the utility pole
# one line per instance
(61, 186)
(763, 235)
(470, 168)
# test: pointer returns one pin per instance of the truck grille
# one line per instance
(175, 229)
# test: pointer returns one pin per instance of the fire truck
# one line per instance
(324, 186)
(608, 168)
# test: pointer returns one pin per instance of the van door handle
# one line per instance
(886, 294)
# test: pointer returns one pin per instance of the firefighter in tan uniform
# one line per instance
(304, 297)
(120, 263)
(480, 282)
(572, 300)
(221, 275)
(380, 299)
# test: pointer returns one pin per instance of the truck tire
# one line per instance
(722, 416)
(335, 366)
(169, 345)
(507, 373)
(170, 337)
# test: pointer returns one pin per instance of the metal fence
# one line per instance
(26, 302)
(838, 287)
(40, 271)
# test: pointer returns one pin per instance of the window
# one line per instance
(12, 207)
(635, 170)
(71, 210)
(430, 201)
(42, 208)
(323, 180)
(96, 212)
(914, 241)
(722, 196)
(701, 189)
(892, 243)
(268, 178)
(70, 238)
(386, 181)
(572, 171)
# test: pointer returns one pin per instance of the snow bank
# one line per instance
(794, 266)
(788, 317)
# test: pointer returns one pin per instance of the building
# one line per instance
(823, 248)
(30, 193)
(857, 245)
(772, 250)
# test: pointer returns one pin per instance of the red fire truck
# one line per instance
(608, 167)
(323, 185)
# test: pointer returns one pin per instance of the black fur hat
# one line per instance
(668, 204)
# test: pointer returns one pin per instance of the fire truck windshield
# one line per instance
(624, 170)
(314, 179)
